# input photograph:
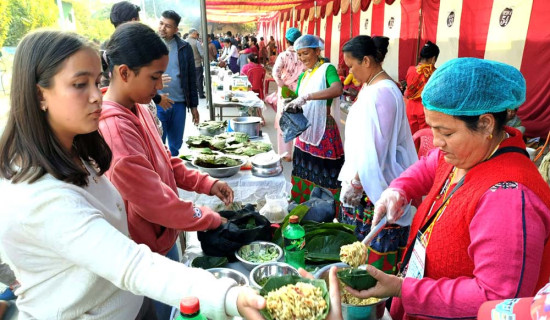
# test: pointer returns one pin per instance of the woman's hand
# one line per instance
(223, 191)
(295, 104)
(351, 193)
(391, 204)
(249, 304)
(335, 312)
(387, 286)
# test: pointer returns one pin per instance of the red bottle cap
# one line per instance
(294, 219)
(189, 305)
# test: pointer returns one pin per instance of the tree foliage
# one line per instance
(92, 20)
(27, 15)
(5, 19)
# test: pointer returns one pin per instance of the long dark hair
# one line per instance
(429, 50)
(135, 45)
(28, 147)
(362, 46)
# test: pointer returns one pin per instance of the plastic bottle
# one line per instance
(294, 242)
(286, 93)
(190, 309)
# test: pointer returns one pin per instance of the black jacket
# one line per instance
(188, 79)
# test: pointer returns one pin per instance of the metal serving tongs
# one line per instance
(374, 231)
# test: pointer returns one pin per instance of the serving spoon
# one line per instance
(374, 231)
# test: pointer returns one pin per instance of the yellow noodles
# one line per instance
(348, 298)
(302, 301)
(354, 254)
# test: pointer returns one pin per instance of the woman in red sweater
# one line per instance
(482, 231)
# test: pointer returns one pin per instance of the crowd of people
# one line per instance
(89, 176)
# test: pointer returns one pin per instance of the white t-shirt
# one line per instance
(70, 250)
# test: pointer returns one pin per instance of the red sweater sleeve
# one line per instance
(190, 179)
(153, 200)
(418, 179)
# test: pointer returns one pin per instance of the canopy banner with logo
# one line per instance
(511, 31)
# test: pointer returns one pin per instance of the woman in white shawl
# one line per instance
(379, 147)
(318, 151)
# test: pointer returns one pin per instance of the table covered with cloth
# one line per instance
(247, 187)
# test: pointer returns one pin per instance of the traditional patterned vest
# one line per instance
(447, 252)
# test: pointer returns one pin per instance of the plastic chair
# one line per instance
(424, 139)
(256, 77)
(266, 85)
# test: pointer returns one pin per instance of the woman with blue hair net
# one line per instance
(482, 230)
(378, 147)
(318, 151)
(286, 71)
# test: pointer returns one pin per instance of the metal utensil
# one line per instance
(374, 231)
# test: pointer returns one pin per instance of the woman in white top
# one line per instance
(230, 55)
(378, 147)
(63, 227)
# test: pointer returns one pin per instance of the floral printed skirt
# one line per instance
(318, 165)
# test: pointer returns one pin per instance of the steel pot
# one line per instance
(266, 164)
(248, 125)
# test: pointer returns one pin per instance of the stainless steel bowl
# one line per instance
(257, 246)
(248, 125)
(267, 164)
(229, 273)
(266, 172)
(373, 311)
(270, 269)
(220, 172)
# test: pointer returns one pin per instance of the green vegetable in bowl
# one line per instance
(213, 161)
(259, 256)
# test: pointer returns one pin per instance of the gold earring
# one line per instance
(490, 137)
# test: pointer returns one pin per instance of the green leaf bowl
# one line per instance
(275, 283)
(208, 262)
(358, 279)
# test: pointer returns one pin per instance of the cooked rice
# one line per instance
(300, 301)
(354, 254)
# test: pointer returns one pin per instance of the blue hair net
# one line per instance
(292, 34)
(471, 87)
(306, 41)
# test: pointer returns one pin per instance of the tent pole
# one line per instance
(419, 32)
(207, 79)
(315, 17)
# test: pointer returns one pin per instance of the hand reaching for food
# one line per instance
(223, 191)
